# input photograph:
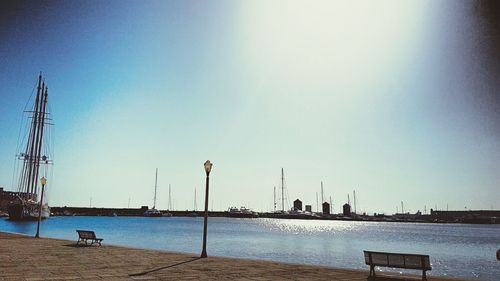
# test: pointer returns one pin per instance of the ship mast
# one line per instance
(322, 198)
(282, 191)
(27, 173)
(41, 124)
(274, 199)
(28, 181)
(169, 198)
(156, 181)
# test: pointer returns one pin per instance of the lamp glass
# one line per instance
(208, 166)
(43, 181)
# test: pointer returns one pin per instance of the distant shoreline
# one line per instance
(473, 217)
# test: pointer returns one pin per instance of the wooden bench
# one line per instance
(410, 261)
(86, 235)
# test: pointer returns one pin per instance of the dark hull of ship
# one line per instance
(27, 211)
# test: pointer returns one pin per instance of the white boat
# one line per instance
(152, 213)
(242, 212)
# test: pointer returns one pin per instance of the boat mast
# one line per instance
(282, 191)
(275, 199)
(322, 198)
(169, 198)
(41, 125)
(354, 193)
(25, 184)
(156, 181)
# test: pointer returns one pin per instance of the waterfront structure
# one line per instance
(297, 205)
(465, 216)
(346, 210)
(309, 208)
(27, 205)
(326, 208)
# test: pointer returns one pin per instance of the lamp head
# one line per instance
(43, 181)
(208, 167)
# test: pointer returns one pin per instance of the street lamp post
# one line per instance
(208, 168)
(43, 181)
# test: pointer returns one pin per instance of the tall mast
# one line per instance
(282, 191)
(41, 125)
(322, 198)
(156, 181)
(195, 206)
(169, 198)
(354, 193)
(28, 170)
(274, 199)
(331, 206)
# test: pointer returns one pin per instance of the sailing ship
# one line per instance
(154, 212)
(36, 155)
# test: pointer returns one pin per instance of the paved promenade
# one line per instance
(27, 258)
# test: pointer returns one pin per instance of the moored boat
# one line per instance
(242, 212)
(154, 212)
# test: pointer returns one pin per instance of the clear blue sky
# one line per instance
(395, 99)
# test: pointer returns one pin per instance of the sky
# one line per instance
(397, 100)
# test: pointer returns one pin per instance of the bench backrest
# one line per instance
(413, 261)
(86, 234)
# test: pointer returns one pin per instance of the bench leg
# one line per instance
(372, 270)
(424, 277)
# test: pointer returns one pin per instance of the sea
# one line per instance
(455, 250)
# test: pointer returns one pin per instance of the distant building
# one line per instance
(297, 205)
(347, 210)
(326, 208)
(309, 208)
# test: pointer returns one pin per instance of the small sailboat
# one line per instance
(154, 212)
(167, 213)
(35, 161)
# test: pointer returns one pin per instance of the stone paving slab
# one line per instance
(27, 258)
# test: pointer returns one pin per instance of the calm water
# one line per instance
(455, 249)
